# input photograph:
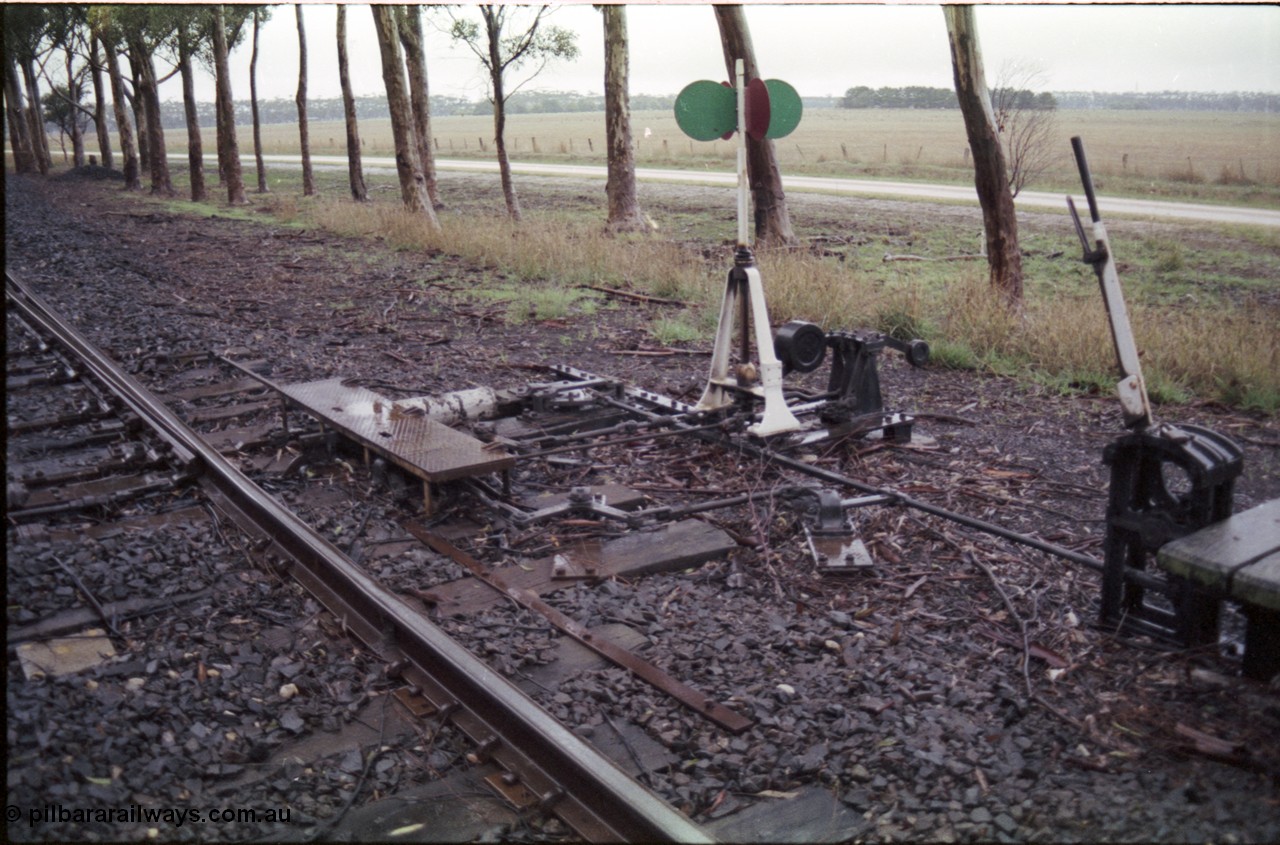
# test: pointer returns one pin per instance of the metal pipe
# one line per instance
(896, 497)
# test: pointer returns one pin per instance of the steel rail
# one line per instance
(564, 774)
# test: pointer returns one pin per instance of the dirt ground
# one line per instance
(319, 305)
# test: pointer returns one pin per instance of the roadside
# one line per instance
(1027, 200)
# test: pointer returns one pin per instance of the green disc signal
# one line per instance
(707, 110)
(785, 108)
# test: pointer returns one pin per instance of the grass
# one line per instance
(1203, 156)
(1202, 301)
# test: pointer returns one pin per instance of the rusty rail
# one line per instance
(566, 776)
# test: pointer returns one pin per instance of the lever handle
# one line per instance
(1077, 146)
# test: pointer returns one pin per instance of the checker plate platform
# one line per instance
(428, 449)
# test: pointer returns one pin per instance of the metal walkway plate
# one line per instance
(428, 449)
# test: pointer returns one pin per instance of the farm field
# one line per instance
(1204, 156)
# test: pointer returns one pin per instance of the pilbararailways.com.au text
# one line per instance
(138, 814)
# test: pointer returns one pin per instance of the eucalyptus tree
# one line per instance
(62, 108)
(620, 186)
(260, 14)
(409, 27)
(413, 189)
(24, 160)
(773, 220)
(104, 28)
(355, 168)
(145, 29)
(25, 27)
(189, 25)
(63, 105)
(308, 178)
(991, 178)
(99, 100)
(504, 45)
(228, 146)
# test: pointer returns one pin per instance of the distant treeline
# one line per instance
(1171, 101)
(921, 97)
(861, 97)
(375, 107)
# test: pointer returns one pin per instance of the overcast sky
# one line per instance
(820, 49)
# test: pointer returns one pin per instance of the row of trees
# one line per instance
(920, 97)
(512, 43)
(373, 107)
(1233, 101)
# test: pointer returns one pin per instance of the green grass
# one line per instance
(528, 303)
(672, 330)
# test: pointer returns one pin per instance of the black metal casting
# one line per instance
(1166, 482)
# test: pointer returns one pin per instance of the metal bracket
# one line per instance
(744, 294)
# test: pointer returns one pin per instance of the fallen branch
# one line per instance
(638, 297)
(660, 353)
(963, 257)
(1017, 617)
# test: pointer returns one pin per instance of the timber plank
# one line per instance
(681, 545)
(812, 815)
(1259, 583)
(1214, 554)
(672, 547)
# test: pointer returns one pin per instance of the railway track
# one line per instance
(650, 579)
(545, 767)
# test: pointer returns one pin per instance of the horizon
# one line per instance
(822, 50)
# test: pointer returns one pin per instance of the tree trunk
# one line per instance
(410, 26)
(195, 146)
(24, 160)
(100, 104)
(253, 105)
(773, 220)
(620, 188)
(150, 97)
(308, 178)
(494, 31)
(999, 218)
(355, 169)
(77, 136)
(35, 119)
(228, 146)
(128, 143)
(140, 118)
(218, 132)
(413, 189)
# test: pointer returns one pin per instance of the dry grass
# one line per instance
(1061, 338)
(1195, 344)
(564, 252)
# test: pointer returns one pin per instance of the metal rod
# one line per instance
(741, 86)
(900, 498)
